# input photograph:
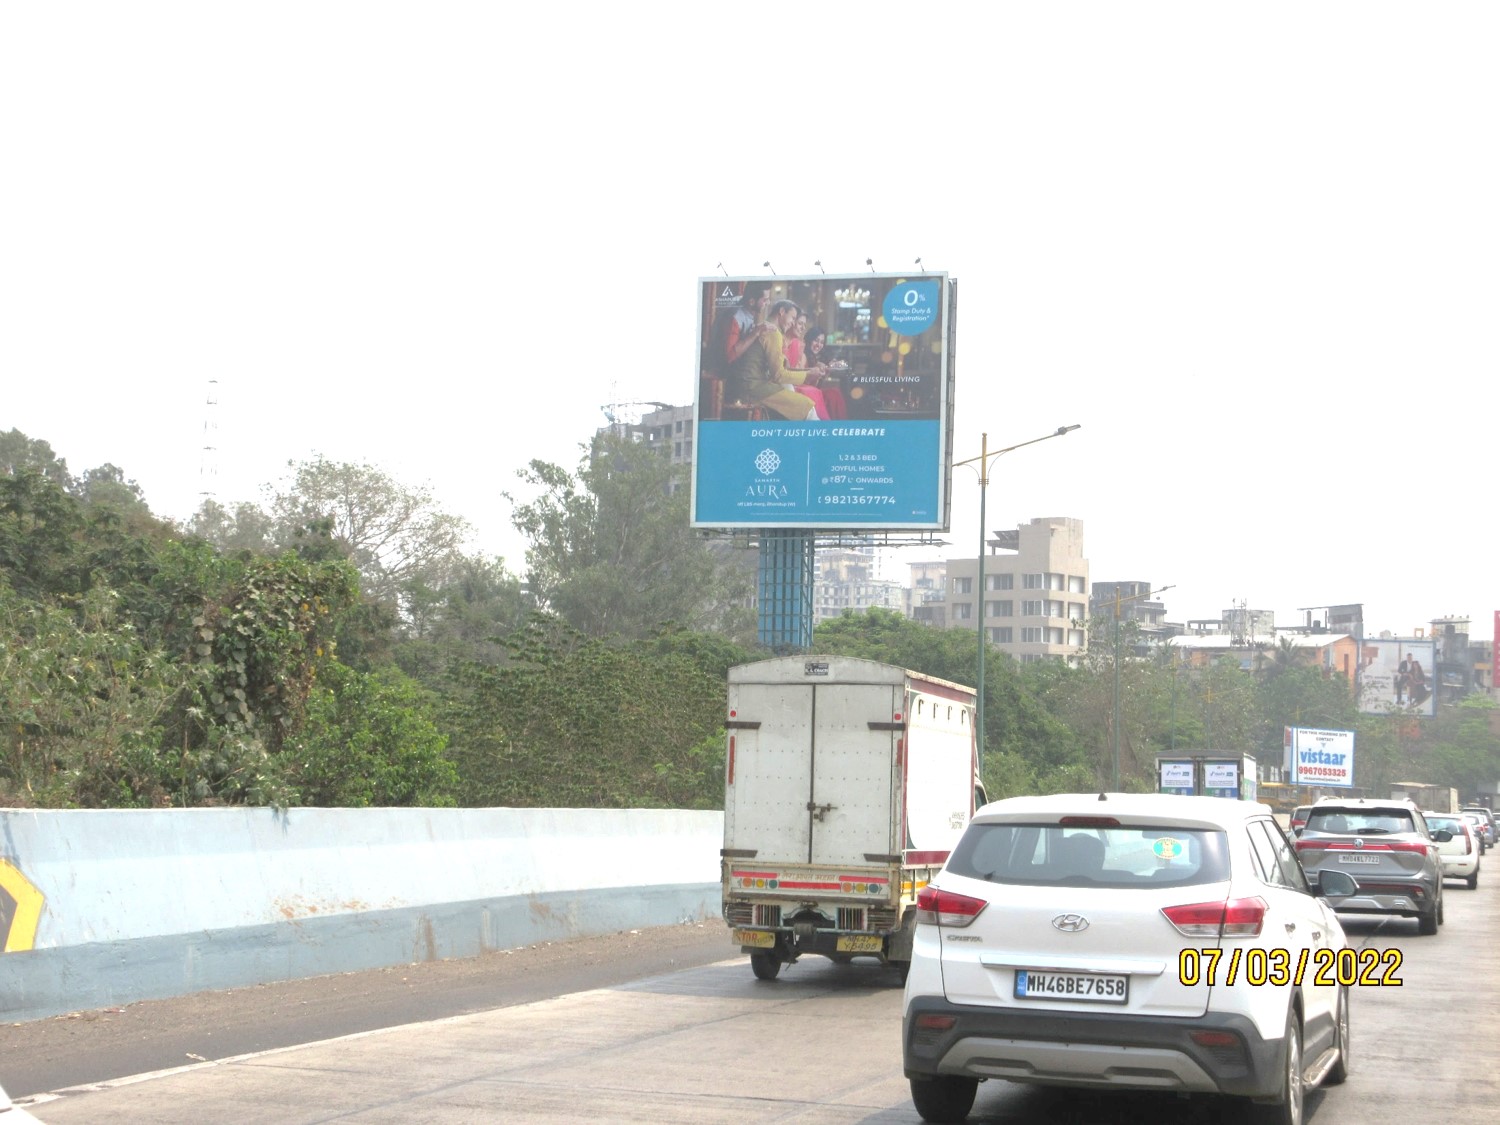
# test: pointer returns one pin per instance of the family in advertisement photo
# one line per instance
(768, 353)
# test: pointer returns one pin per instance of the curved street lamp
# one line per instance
(986, 455)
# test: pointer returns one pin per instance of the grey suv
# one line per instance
(1489, 819)
(1387, 847)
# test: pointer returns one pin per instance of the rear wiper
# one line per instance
(1371, 832)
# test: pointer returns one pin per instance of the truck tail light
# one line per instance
(944, 908)
(1238, 917)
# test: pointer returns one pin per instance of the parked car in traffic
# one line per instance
(1125, 942)
(1487, 816)
(1477, 822)
(1461, 851)
(1388, 849)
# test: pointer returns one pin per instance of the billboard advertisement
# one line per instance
(1176, 776)
(824, 402)
(1210, 776)
(1319, 757)
(1395, 674)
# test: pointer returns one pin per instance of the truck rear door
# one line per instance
(814, 775)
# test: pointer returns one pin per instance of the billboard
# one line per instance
(1319, 757)
(1176, 775)
(824, 402)
(1208, 775)
(1396, 675)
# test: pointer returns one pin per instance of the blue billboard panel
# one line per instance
(804, 474)
(823, 402)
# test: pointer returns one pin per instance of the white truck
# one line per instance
(1428, 798)
(846, 784)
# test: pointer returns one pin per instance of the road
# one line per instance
(670, 1026)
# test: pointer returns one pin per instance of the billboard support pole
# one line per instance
(786, 590)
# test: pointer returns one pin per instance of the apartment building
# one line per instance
(1035, 596)
(1133, 602)
(926, 597)
(848, 578)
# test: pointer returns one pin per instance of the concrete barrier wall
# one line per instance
(107, 907)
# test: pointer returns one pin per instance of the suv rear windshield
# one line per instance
(1360, 821)
(1067, 856)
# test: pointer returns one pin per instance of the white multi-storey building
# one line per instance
(848, 578)
(1036, 591)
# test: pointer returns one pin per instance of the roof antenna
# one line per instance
(770, 267)
(721, 266)
(871, 263)
(819, 264)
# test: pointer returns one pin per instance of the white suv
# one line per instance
(1127, 941)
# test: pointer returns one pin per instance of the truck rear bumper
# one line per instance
(792, 944)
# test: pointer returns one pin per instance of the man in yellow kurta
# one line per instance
(761, 375)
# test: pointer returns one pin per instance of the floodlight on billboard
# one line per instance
(1395, 675)
(824, 402)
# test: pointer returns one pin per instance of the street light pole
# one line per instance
(984, 459)
(1115, 724)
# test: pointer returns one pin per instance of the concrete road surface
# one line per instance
(821, 1044)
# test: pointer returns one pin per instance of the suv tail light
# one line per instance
(1238, 917)
(944, 908)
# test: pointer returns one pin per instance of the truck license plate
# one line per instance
(1034, 985)
(761, 939)
(859, 943)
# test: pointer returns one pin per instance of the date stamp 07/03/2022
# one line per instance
(1278, 967)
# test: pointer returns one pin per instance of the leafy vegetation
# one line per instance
(339, 647)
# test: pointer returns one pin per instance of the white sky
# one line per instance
(1251, 249)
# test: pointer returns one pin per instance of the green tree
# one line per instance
(81, 705)
(41, 552)
(19, 453)
(1297, 695)
(464, 614)
(611, 550)
(1462, 747)
(1027, 746)
(369, 740)
(246, 527)
(265, 636)
(395, 535)
(578, 721)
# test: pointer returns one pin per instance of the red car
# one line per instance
(1299, 819)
